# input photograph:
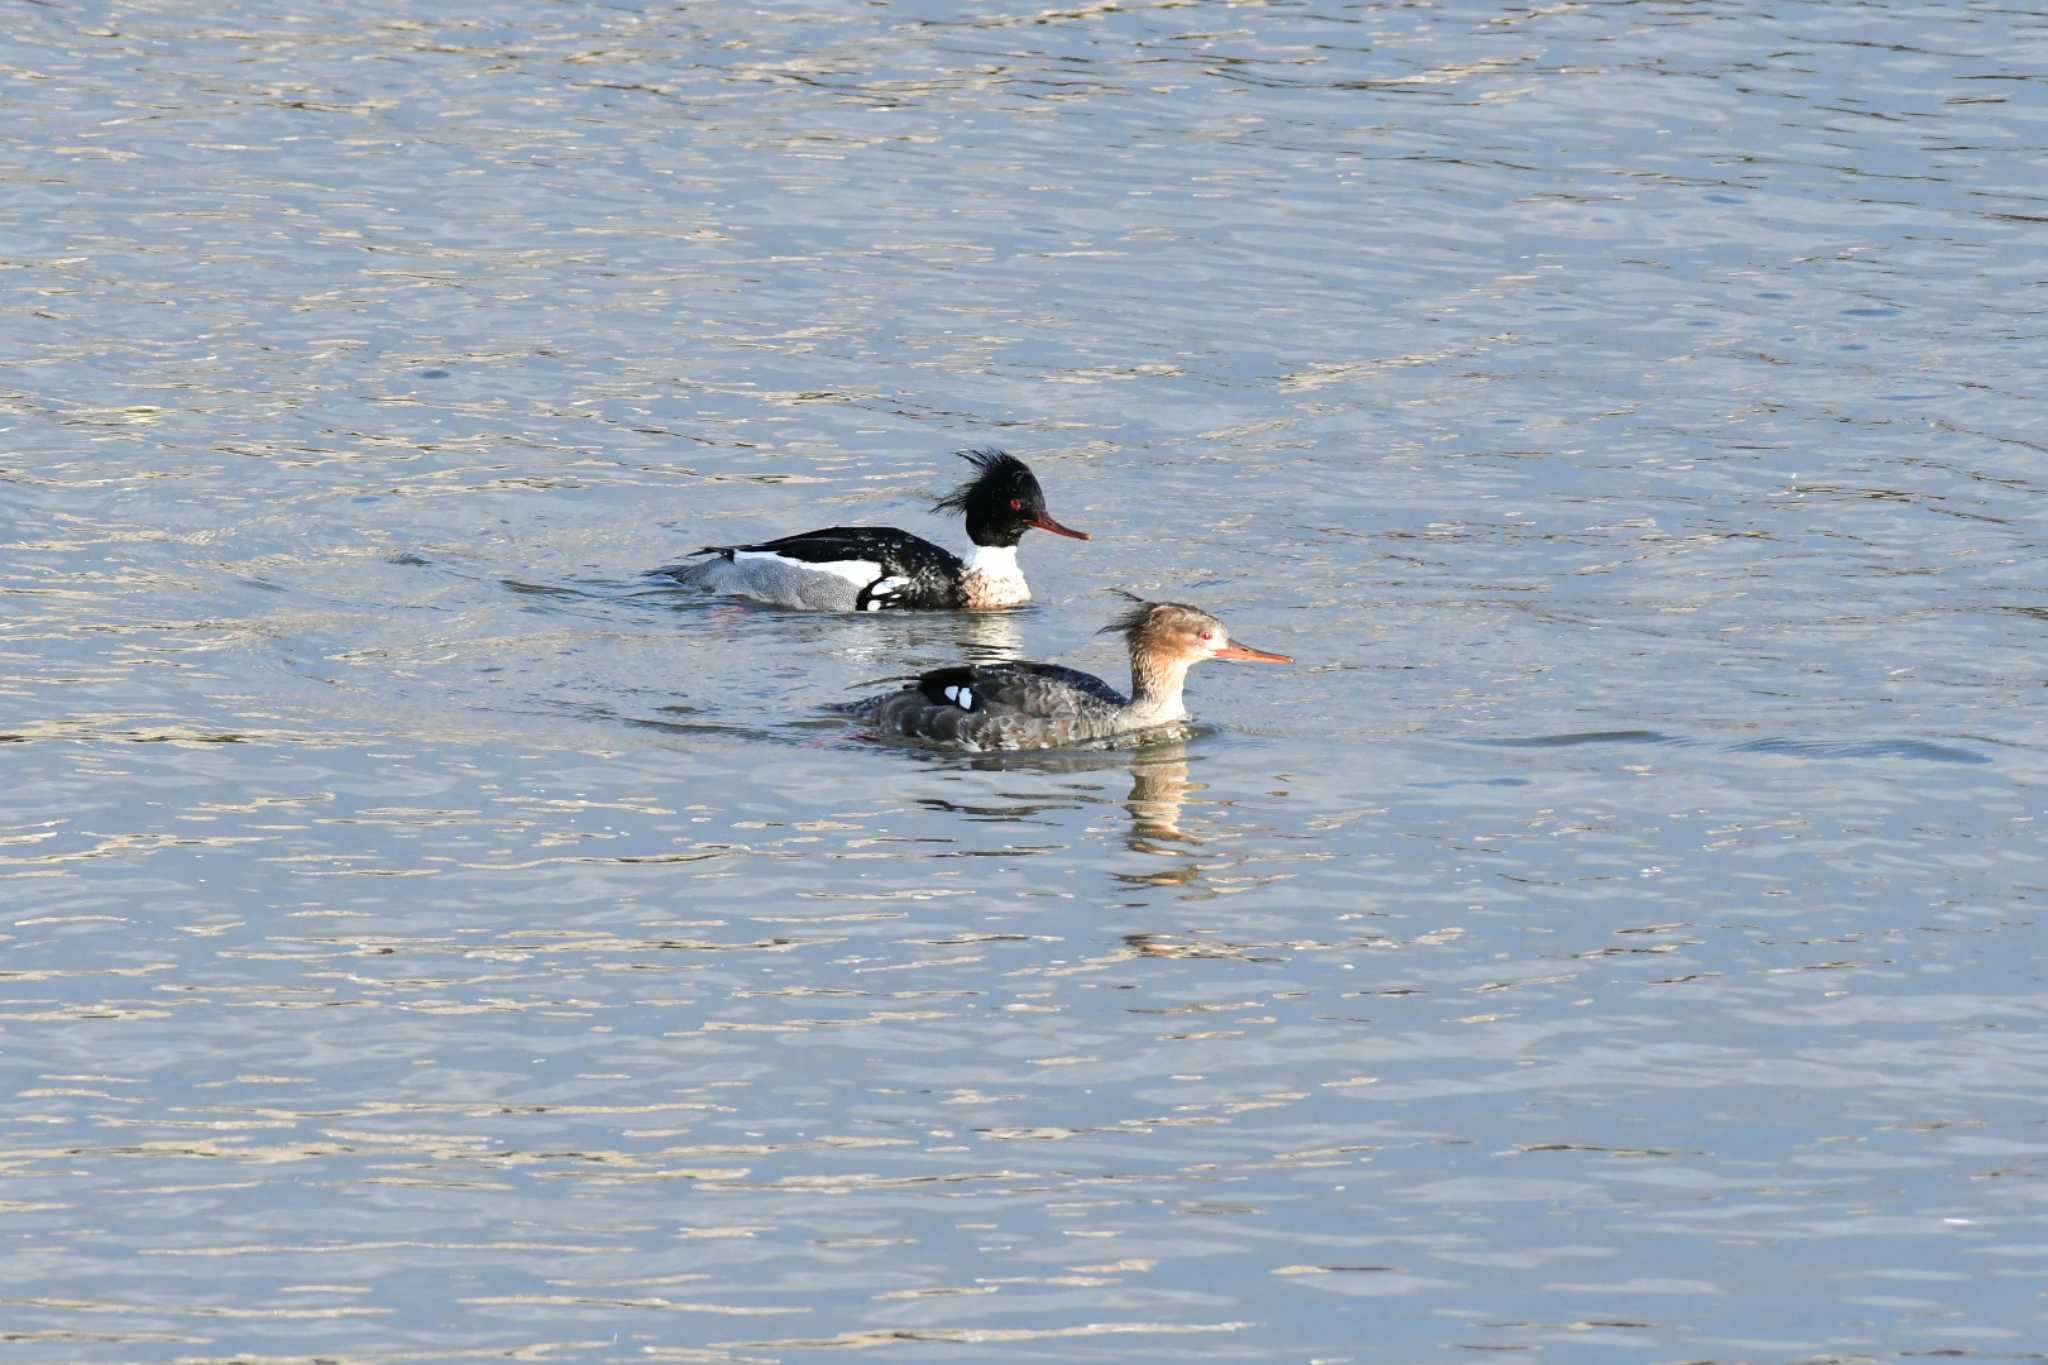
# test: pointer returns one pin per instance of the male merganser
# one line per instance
(1021, 705)
(879, 568)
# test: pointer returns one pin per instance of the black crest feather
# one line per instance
(988, 463)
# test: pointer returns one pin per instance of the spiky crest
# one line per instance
(989, 464)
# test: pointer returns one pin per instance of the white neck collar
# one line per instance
(994, 561)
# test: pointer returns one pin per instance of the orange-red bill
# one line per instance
(1048, 524)
(1245, 654)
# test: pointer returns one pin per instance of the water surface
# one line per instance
(424, 937)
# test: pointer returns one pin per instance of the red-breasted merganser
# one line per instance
(1021, 705)
(879, 568)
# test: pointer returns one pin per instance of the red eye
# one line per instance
(1208, 635)
(1016, 504)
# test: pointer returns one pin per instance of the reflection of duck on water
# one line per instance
(1159, 781)
(1165, 945)
(1159, 792)
(1156, 801)
(1159, 788)
(989, 637)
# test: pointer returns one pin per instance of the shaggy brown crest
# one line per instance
(1155, 620)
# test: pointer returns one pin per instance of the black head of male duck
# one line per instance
(879, 568)
(1002, 501)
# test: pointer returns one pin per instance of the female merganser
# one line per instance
(1021, 705)
(879, 568)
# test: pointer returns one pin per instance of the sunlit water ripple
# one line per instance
(427, 937)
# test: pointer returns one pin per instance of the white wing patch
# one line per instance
(859, 572)
(962, 697)
(884, 591)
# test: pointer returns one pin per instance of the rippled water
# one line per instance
(424, 937)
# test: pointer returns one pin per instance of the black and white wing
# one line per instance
(1019, 687)
(881, 567)
(1000, 706)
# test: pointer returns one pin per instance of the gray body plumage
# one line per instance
(769, 578)
(1011, 706)
(1021, 705)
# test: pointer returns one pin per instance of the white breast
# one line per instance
(992, 578)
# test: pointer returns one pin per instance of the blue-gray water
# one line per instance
(423, 938)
